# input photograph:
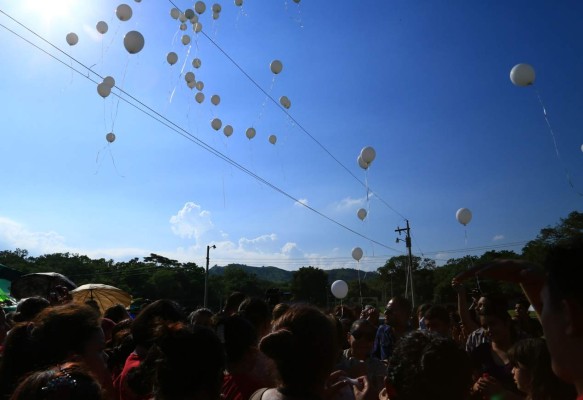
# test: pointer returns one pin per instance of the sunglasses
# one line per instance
(366, 335)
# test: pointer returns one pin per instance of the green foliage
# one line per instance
(311, 285)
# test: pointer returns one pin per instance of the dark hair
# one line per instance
(233, 301)
(362, 324)
(143, 327)
(439, 313)
(68, 382)
(28, 308)
(402, 303)
(534, 355)
(257, 312)
(423, 308)
(193, 316)
(303, 347)
(564, 272)
(116, 313)
(238, 335)
(279, 310)
(425, 365)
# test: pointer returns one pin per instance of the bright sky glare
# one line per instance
(426, 84)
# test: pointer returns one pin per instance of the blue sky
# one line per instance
(426, 83)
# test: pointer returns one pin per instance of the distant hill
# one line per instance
(274, 274)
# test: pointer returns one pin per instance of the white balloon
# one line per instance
(216, 15)
(216, 124)
(217, 8)
(191, 84)
(368, 154)
(215, 99)
(582, 147)
(463, 216)
(103, 90)
(102, 27)
(522, 75)
(250, 133)
(72, 38)
(361, 163)
(194, 19)
(361, 214)
(196, 63)
(197, 27)
(357, 253)
(228, 130)
(175, 13)
(185, 40)
(133, 42)
(238, 3)
(200, 85)
(200, 7)
(189, 13)
(199, 97)
(183, 27)
(339, 289)
(189, 77)
(109, 81)
(172, 58)
(123, 12)
(285, 102)
(272, 139)
(296, 1)
(276, 66)
(110, 137)
(182, 18)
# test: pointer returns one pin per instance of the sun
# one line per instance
(48, 11)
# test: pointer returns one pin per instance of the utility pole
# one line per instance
(409, 281)
(206, 274)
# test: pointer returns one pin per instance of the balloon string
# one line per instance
(123, 78)
(265, 99)
(359, 283)
(466, 236)
(113, 161)
(567, 173)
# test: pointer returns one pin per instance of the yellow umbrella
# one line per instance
(104, 295)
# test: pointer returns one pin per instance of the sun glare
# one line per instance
(49, 11)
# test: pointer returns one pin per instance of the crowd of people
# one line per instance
(251, 350)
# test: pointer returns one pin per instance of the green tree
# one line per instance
(311, 285)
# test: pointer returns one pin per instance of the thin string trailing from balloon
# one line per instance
(123, 78)
(567, 174)
(181, 73)
(106, 147)
(265, 100)
(359, 282)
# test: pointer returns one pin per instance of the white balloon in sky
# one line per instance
(339, 289)
(216, 124)
(361, 162)
(183, 27)
(189, 77)
(72, 38)
(250, 133)
(272, 139)
(197, 27)
(361, 214)
(368, 154)
(194, 19)
(175, 13)
(196, 63)
(217, 8)
(182, 18)
(109, 81)
(582, 147)
(133, 41)
(123, 12)
(103, 90)
(110, 137)
(215, 99)
(102, 27)
(189, 13)
(200, 85)
(200, 7)
(216, 15)
(238, 3)
(285, 102)
(276, 66)
(191, 84)
(172, 58)
(185, 40)
(463, 216)
(522, 75)
(357, 253)
(228, 130)
(199, 97)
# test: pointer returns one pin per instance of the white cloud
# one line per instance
(14, 234)
(497, 238)
(191, 221)
(243, 242)
(349, 203)
(301, 202)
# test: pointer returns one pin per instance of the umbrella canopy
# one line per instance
(104, 295)
(39, 284)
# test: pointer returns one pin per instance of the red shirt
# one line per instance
(239, 386)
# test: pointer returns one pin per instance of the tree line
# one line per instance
(157, 276)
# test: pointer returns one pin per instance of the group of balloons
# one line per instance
(366, 157)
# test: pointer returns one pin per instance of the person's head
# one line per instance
(188, 364)
(64, 382)
(143, 327)
(303, 347)
(28, 308)
(116, 313)
(256, 311)
(532, 371)
(398, 312)
(562, 313)
(361, 338)
(279, 310)
(437, 320)
(422, 309)
(425, 365)
(202, 317)
(233, 301)
(521, 309)
(93, 304)
(497, 323)
(240, 339)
